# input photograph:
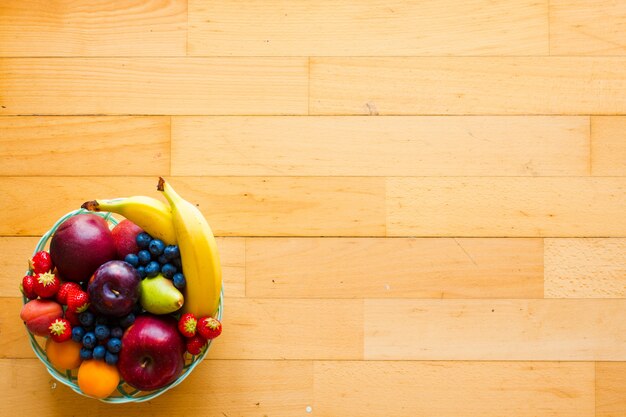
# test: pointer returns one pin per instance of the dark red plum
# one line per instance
(114, 289)
(80, 245)
(152, 353)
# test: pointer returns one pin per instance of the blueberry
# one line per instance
(156, 247)
(126, 321)
(177, 263)
(168, 270)
(89, 340)
(171, 252)
(114, 345)
(152, 269)
(179, 280)
(102, 332)
(111, 358)
(117, 332)
(132, 259)
(86, 318)
(144, 257)
(78, 333)
(162, 259)
(143, 240)
(99, 352)
(85, 353)
(141, 270)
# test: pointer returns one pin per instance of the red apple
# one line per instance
(152, 352)
(114, 288)
(80, 245)
(125, 238)
(39, 314)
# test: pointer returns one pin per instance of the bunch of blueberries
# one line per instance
(101, 336)
(155, 257)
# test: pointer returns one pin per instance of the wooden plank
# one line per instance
(464, 85)
(373, 146)
(585, 268)
(610, 389)
(251, 206)
(451, 389)
(291, 329)
(232, 258)
(216, 388)
(394, 268)
(253, 329)
(495, 329)
(378, 28)
(608, 145)
(84, 145)
(93, 28)
(553, 207)
(587, 27)
(66, 86)
(14, 255)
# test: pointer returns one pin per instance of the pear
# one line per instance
(159, 296)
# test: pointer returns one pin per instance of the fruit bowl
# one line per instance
(124, 392)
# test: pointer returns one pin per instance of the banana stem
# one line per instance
(170, 195)
(92, 205)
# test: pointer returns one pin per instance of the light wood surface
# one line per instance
(420, 205)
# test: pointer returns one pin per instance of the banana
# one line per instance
(198, 252)
(152, 215)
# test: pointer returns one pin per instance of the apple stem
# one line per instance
(145, 362)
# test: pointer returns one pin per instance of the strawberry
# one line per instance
(65, 289)
(28, 287)
(60, 330)
(187, 324)
(72, 317)
(77, 301)
(209, 327)
(46, 284)
(40, 262)
(195, 344)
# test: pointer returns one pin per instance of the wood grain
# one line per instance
(232, 252)
(585, 268)
(394, 268)
(67, 86)
(608, 145)
(233, 387)
(291, 329)
(464, 85)
(532, 207)
(52, 146)
(93, 28)
(14, 255)
(610, 389)
(251, 206)
(495, 330)
(587, 27)
(379, 146)
(373, 28)
(451, 389)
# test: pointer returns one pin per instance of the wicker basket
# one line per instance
(125, 393)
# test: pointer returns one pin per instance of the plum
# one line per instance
(80, 245)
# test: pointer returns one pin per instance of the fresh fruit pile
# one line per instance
(126, 304)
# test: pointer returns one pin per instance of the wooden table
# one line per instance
(420, 204)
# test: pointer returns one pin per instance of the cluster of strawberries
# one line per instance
(44, 283)
(198, 331)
